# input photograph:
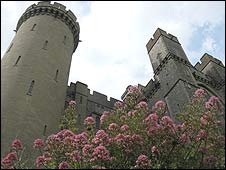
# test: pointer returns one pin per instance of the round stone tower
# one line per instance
(34, 73)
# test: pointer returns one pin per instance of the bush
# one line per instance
(132, 136)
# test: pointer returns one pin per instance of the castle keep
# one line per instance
(35, 70)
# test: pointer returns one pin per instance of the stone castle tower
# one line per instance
(34, 73)
(175, 78)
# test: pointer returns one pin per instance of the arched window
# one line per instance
(33, 27)
(56, 75)
(17, 60)
(45, 45)
(31, 88)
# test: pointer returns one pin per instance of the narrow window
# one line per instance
(45, 45)
(17, 60)
(31, 88)
(33, 27)
(44, 130)
(80, 101)
(65, 37)
(9, 48)
(178, 105)
(97, 122)
(56, 75)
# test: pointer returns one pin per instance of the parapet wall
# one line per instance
(56, 10)
(82, 89)
(156, 35)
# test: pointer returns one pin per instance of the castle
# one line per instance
(35, 71)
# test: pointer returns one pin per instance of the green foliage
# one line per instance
(69, 119)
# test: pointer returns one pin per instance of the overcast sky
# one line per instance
(114, 37)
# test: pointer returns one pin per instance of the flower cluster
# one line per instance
(143, 162)
(89, 121)
(200, 93)
(17, 144)
(38, 143)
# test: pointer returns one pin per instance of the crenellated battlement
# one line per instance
(156, 35)
(56, 10)
(205, 59)
(96, 97)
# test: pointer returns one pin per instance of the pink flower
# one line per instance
(38, 143)
(200, 93)
(153, 148)
(154, 151)
(87, 149)
(180, 126)
(201, 135)
(89, 121)
(103, 116)
(167, 121)
(137, 137)
(142, 104)
(39, 161)
(100, 152)
(133, 89)
(208, 116)
(130, 113)
(118, 104)
(214, 100)
(124, 127)
(203, 120)
(113, 126)
(101, 137)
(160, 104)
(154, 129)
(72, 103)
(152, 117)
(80, 139)
(143, 162)
(6, 162)
(12, 156)
(17, 144)
(75, 156)
(208, 105)
(184, 138)
(64, 165)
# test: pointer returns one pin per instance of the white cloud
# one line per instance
(114, 35)
(209, 44)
